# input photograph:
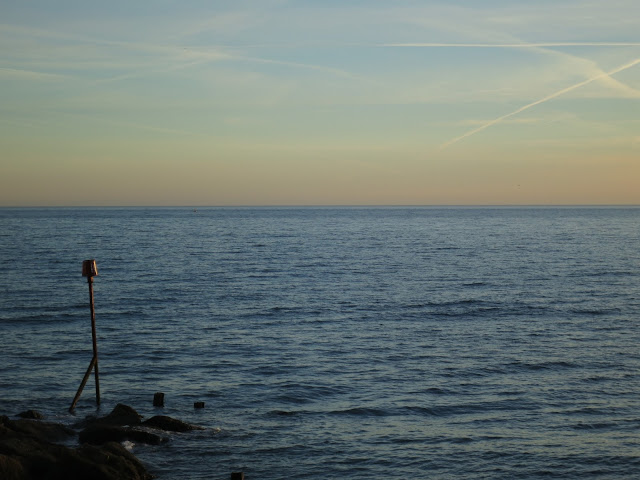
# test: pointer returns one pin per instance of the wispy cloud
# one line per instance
(548, 48)
(40, 48)
(30, 75)
(571, 63)
(511, 45)
(538, 102)
(590, 68)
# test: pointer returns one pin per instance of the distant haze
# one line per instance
(276, 102)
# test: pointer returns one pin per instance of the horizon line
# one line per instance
(345, 205)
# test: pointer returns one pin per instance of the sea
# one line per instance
(337, 342)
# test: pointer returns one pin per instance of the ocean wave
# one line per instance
(436, 410)
(595, 426)
(361, 412)
(41, 318)
(285, 413)
(545, 365)
(296, 393)
(593, 311)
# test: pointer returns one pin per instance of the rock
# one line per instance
(32, 414)
(100, 434)
(112, 428)
(42, 431)
(26, 455)
(168, 424)
(121, 415)
(114, 461)
(11, 469)
(85, 422)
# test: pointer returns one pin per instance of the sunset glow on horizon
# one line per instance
(319, 103)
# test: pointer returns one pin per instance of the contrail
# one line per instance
(511, 45)
(538, 102)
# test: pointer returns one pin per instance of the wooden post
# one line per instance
(158, 399)
(94, 338)
(90, 270)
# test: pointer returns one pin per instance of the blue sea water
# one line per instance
(331, 343)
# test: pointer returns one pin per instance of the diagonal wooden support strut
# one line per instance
(94, 362)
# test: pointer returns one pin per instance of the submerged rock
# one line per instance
(100, 434)
(168, 424)
(121, 423)
(32, 414)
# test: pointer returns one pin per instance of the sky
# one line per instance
(319, 102)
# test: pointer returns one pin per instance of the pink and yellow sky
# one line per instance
(319, 102)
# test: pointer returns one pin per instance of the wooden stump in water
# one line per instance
(158, 399)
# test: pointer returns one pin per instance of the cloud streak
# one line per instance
(30, 74)
(538, 102)
(511, 45)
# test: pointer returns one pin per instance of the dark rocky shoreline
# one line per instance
(33, 449)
